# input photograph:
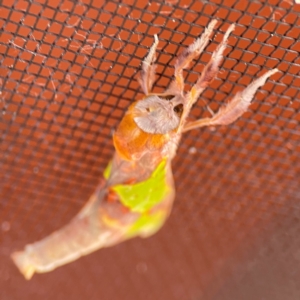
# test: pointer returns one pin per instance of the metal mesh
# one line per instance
(67, 74)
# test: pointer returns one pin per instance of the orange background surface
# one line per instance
(68, 71)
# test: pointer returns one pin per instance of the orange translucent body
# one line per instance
(131, 142)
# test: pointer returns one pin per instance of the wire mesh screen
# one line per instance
(69, 71)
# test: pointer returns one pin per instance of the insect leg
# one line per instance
(147, 74)
(235, 108)
(188, 55)
(210, 70)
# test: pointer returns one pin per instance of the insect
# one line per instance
(137, 191)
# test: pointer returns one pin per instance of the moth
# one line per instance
(137, 190)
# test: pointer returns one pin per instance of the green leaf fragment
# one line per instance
(147, 224)
(142, 196)
(107, 170)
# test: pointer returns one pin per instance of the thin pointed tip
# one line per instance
(270, 72)
(229, 30)
(212, 23)
(274, 71)
(231, 27)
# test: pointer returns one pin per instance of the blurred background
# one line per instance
(68, 71)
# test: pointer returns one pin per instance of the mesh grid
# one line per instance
(68, 72)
